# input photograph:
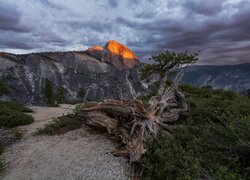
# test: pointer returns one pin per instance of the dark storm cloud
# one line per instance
(18, 45)
(198, 36)
(219, 29)
(113, 3)
(204, 7)
(10, 18)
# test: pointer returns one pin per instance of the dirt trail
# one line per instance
(79, 154)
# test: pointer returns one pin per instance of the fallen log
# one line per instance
(133, 123)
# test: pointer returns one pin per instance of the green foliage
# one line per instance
(18, 133)
(61, 125)
(167, 61)
(49, 94)
(10, 118)
(4, 90)
(60, 94)
(81, 94)
(145, 98)
(212, 142)
(14, 106)
(12, 114)
(9, 137)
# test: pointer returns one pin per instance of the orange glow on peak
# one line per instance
(96, 48)
(120, 49)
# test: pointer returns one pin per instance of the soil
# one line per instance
(78, 154)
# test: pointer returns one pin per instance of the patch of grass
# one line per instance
(14, 106)
(60, 125)
(10, 118)
(18, 133)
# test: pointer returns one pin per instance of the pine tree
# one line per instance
(48, 93)
(81, 94)
(60, 94)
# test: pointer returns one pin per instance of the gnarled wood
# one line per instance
(133, 122)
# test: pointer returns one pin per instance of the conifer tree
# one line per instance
(48, 93)
(81, 94)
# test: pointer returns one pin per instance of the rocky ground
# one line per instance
(79, 154)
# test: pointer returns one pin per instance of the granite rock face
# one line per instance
(115, 53)
(227, 77)
(25, 75)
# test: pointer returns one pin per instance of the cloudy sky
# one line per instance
(218, 29)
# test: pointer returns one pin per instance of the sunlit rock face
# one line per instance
(25, 76)
(115, 53)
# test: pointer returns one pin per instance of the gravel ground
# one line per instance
(79, 154)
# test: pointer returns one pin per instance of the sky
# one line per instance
(218, 29)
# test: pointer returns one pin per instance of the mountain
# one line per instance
(110, 76)
(228, 77)
(115, 53)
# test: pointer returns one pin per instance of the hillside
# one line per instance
(228, 77)
(25, 75)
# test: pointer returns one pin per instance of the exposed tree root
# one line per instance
(133, 122)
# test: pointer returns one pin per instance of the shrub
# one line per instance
(7, 137)
(14, 106)
(61, 125)
(211, 143)
(10, 118)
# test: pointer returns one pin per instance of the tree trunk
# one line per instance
(133, 122)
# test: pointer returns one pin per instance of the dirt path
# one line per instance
(79, 154)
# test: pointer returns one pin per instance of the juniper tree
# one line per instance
(166, 62)
(131, 121)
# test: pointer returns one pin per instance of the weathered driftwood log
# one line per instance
(133, 122)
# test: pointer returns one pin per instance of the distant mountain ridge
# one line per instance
(227, 77)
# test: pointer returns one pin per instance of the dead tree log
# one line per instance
(133, 122)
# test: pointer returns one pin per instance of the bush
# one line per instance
(211, 143)
(14, 106)
(7, 137)
(61, 125)
(10, 118)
